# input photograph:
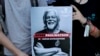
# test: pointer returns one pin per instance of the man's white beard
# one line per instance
(51, 26)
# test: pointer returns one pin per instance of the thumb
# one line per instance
(75, 8)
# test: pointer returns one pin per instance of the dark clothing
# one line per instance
(64, 44)
(45, 31)
(84, 46)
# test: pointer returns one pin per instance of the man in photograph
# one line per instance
(55, 47)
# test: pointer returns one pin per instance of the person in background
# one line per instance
(17, 19)
(4, 41)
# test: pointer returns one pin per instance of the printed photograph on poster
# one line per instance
(51, 31)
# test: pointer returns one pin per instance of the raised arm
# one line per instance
(77, 15)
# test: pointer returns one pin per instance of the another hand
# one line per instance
(77, 15)
(21, 54)
(94, 31)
